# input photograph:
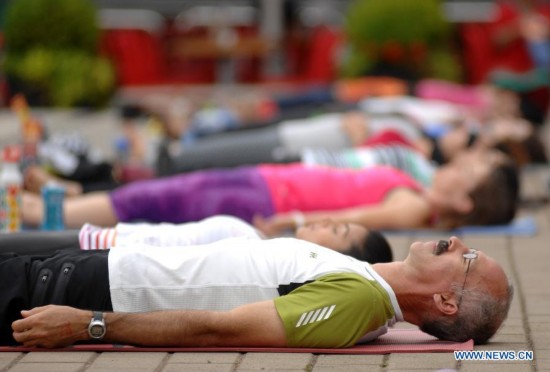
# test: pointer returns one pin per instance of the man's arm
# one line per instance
(256, 324)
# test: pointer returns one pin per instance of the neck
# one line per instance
(431, 197)
(411, 298)
(436, 204)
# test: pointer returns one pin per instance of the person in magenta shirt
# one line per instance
(477, 188)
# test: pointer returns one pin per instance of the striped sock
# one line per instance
(95, 238)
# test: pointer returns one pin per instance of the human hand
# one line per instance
(51, 326)
(270, 227)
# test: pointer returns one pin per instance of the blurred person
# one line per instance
(478, 188)
(386, 140)
(354, 240)
(520, 41)
(521, 33)
(346, 135)
(441, 126)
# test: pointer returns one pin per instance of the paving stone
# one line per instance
(421, 361)
(47, 367)
(53, 357)
(504, 338)
(268, 367)
(337, 360)
(539, 327)
(275, 361)
(503, 366)
(502, 346)
(516, 321)
(206, 358)
(200, 367)
(8, 358)
(537, 305)
(346, 368)
(539, 318)
(543, 353)
(128, 361)
(541, 340)
(511, 330)
(543, 364)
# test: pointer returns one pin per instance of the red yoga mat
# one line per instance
(395, 341)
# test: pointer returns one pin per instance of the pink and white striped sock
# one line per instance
(93, 237)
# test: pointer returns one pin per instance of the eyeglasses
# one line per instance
(470, 256)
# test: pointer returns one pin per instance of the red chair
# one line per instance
(132, 39)
(321, 63)
(137, 56)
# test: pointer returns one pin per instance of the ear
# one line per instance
(446, 303)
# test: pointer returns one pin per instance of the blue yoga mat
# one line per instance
(521, 226)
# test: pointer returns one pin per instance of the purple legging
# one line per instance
(240, 192)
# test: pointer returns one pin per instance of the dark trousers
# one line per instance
(224, 150)
(68, 277)
(36, 242)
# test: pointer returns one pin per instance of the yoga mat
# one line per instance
(521, 226)
(395, 341)
(526, 226)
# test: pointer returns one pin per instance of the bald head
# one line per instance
(482, 311)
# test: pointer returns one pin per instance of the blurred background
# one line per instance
(80, 53)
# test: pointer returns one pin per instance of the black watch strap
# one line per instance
(97, 328)
(98, 315)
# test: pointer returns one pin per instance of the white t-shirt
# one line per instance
(424, 111)
(191, 233)
(320, 131)
(317, 291)
(228, 272)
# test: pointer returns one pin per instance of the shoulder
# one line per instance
(414, 209)
(334, 311)
(339, 289)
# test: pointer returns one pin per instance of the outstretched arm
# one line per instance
(256, 324)
(402, 209)
(95, 208)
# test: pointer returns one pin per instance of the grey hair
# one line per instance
(479, 316)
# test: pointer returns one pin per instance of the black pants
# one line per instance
(224, 150)
(68, 277)
(36, 242)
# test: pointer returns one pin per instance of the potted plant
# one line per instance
(51, 53)
(404, 38)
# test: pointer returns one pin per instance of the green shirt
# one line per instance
(334, 311)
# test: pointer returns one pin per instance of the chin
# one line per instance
(416, 245)
(301, 232)
(422, 247)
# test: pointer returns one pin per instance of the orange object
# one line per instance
(357, 89)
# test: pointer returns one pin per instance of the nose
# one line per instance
(458, 245)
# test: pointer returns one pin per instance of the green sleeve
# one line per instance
(333, 311)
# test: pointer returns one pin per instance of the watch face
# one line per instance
(96, 330)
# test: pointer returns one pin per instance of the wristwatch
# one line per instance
(97, 328)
